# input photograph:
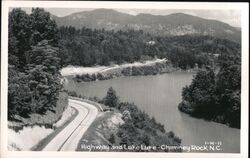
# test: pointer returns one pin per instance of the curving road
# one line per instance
(68, 138)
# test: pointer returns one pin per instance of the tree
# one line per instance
(201, 94)
(34, 78)
(112, 139)
(19, 37)
(19, 95)
(28, 30)
(43, 27)
(88, 47)
(229, 90)
(44, 77)
(216, 96)
(111, 99)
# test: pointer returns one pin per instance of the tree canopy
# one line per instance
(216, 96)
(111, 98)
(34, 63)
(87, 47)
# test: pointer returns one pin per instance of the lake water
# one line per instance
(159, 96)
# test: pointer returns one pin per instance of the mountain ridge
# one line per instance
(175, 24)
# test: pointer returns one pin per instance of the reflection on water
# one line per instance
(159, 96)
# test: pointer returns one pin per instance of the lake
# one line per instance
(159, 96)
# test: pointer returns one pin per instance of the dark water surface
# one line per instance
(159, 96)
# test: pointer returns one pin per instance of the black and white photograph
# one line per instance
(124, 77)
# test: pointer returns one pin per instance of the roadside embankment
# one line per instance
(29, 137)
(25, 133)
(47, 119)
(121, 125)
(149, 67)
(101, 130)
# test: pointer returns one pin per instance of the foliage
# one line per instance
(111, 99)
(87, 47)
(34, 79)
(26, 31)
(37, 50)
(152, 69)
(216, 96)
(18, 93)
(43, 27)
(138, 128)
(19, 34)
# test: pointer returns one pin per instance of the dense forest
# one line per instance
(86, 47)
(34, 63)
(216, 95)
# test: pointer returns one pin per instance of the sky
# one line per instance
(232, 17)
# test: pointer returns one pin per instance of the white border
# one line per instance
(243, 7)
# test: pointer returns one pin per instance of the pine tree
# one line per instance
(111, 99)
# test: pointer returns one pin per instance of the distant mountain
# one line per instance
(169, 25)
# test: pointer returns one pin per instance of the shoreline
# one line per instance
(152, 67)
(78, 70)
(99, 73)
(187, 109)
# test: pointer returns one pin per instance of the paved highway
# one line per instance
(68, 138)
